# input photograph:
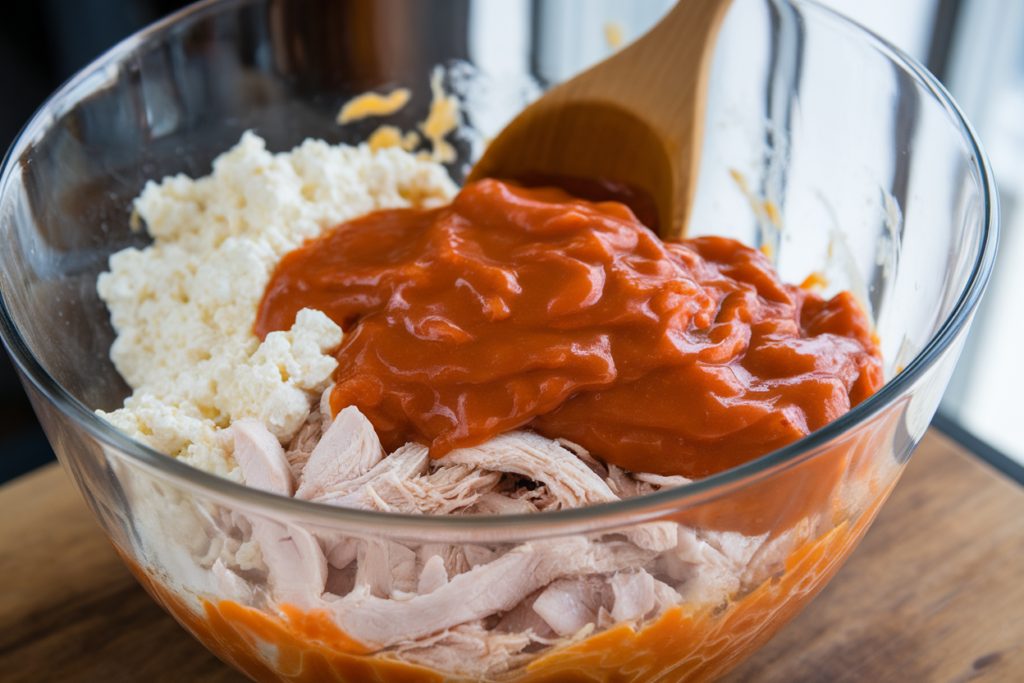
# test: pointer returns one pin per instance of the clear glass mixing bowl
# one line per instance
(824, 146)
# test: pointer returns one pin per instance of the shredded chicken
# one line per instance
(493, 503)
(469, 649)
(634, 595)
(341, 551)
(386, 569)
(572, 483)
(453, 557)
(487, 589)
(468, 609)
(524, 618)
(598, 467)
(567, 605)
(348, 450)
(433, 575)
(231, 585)
(259, 454)
(627, 485)
(344, 490)
(297, 566)
(305, 441)
(444, 491)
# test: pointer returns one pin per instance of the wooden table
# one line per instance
(935, 592)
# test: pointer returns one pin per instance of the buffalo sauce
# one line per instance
(516, 307)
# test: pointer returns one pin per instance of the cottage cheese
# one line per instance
(184, 307)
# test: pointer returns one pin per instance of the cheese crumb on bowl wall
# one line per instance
(443, 118)
(373, 104)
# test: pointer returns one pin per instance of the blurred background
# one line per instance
(973, 46)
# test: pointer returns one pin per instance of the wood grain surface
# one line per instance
(935, 592)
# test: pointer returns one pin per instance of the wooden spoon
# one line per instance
(637, 117)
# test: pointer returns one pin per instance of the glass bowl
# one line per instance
(831, 151)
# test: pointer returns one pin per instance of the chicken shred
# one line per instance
(470, 609)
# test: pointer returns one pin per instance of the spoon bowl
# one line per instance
(636, 118)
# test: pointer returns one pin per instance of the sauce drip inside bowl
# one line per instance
(517, 306)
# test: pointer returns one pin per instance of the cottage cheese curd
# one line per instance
(183, 308)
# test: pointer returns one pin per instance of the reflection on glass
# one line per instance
(987, 79)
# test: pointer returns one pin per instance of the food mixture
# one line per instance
(344, 326)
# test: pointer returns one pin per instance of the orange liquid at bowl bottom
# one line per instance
(683, 644)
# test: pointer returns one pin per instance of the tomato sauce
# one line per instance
(518, 307)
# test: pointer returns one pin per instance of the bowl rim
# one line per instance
(629, 511)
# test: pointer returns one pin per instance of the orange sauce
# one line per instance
(528, 307)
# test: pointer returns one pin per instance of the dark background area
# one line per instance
(42, 43)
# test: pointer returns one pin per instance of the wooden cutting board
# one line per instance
(935, 592)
